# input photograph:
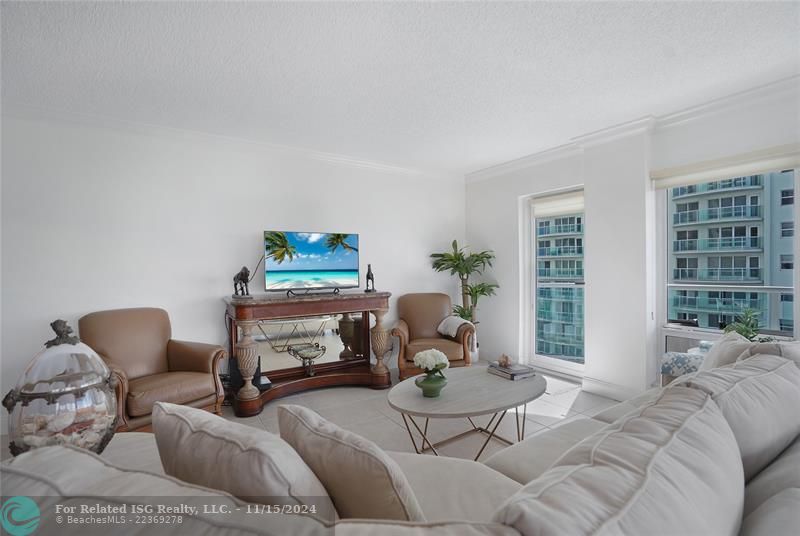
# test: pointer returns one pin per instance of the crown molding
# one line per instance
(575, 147)
(622, 130)
(774, 90)
(556, 153)
(151, 129)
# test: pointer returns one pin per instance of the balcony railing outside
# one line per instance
(572, 228)
(574, 317)
(752, 181)
(568, 352)
(560, 251)
(560, 273)
(559, 297)
(717, 274)
(719, 305)
(560, 338)
(718, 244)
(715, 214)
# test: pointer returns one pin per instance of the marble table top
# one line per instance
(280, 297)
(470, 392)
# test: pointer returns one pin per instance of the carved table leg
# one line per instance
(247, 359)
(380, 340)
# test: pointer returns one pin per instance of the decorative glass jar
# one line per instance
(64, 397)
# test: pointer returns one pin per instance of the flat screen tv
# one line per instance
(308, 261)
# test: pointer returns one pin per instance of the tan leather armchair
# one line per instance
(150, 366)
(420, 315)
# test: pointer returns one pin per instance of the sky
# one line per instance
(313, 255)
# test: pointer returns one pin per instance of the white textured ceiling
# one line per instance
(452, 87)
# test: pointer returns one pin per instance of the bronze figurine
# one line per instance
(63, 334)
(240, 282)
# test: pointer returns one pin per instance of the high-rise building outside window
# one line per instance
(731, 248)
(557, 278)
(559, 286)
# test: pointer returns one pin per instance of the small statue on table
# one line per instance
(370, 280)
(240, 283)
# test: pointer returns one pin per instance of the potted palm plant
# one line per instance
(463, 264)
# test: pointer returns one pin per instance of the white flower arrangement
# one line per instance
(431, 361)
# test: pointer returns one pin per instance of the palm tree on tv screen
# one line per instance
(277, 246)
(336, 240)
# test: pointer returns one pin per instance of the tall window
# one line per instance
(558, 275)
(730, 249)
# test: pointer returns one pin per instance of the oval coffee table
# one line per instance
(470, 392)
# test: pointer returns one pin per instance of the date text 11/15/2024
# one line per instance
(185, 509)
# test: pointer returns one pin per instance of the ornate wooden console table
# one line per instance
(244, 314)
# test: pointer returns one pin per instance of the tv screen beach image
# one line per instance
(310, 260)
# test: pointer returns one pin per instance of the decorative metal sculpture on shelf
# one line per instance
(64, 397)
(370, 280)
(307, 353)
(241, 281)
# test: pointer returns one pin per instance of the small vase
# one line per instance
(431, 384)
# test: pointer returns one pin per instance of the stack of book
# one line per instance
(511, 372)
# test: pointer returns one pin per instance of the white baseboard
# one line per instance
(607, 389)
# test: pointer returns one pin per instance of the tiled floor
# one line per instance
(367, 413)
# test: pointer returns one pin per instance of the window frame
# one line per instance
(528, 299)
(663, 269)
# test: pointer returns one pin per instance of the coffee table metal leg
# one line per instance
(491, 434)
(410, 435)
(423, 434)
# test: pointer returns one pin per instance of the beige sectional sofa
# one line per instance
(714, 453)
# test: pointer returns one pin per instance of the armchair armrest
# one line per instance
(119, 380)
(464, 332)
(463, 337)
(186, 356)
(401, 330)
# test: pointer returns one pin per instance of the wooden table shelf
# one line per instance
(243, 314)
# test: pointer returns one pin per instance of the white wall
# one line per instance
(101, 216)
(613, 167)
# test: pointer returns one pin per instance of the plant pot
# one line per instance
(431, 384)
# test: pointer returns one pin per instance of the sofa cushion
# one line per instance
(451, 488)
(787, 350)
(759, 397)
(725, 350)
(72, 477)
(134, 450)
(175, 387)
(528, 459)
(453, 350)
(360, 477)
(781, 474)
(778, 516)
(201, 448)
(670, 467)
(623, 408)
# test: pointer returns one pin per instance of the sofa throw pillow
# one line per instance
(725, 351)
(201, 448)
(73, 477)
(759, 397)
(360, 477)
(787, 350)
(670, 467)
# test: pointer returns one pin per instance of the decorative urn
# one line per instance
(64, 397)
